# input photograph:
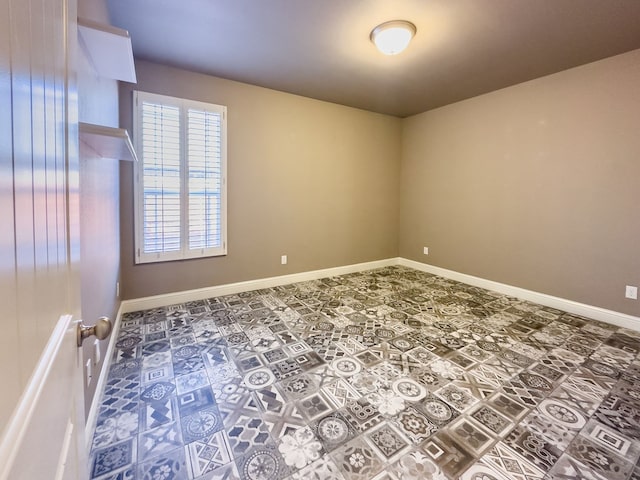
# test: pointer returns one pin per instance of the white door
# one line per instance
(41, 405)
(48, 429)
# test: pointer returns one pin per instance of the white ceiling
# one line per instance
(321, 48)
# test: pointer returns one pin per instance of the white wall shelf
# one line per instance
(108, 142)
(108, 49)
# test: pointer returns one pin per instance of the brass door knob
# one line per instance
(101, 330)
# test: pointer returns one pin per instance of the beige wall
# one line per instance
(308, 179)
(99, 200)
(536, 185)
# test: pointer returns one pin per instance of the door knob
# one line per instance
(101, 330)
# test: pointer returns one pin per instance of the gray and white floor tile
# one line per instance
(385, 374)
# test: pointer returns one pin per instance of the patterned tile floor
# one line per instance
(386, 374)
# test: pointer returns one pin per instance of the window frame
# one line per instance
(184, 105)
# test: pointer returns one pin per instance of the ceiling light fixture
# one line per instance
(393, 37)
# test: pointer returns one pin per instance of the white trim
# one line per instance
(21, 418)
(184, 106)
(231, 288)
(582, 309)
(589, 311)
(92, 416)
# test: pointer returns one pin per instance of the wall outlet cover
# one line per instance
(631, 292)
(89, 371)
(97, 355)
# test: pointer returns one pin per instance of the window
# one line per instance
(180, 187)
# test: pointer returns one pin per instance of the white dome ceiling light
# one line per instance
(393, 37)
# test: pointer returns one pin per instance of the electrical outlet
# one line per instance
(283, 259)
(88, 372)
(117, 289)
(97, 354)
(426, 250)
(631, 292)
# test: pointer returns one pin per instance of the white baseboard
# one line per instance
(582, 309)
(589, 311)
(201, 293)
(94, 409)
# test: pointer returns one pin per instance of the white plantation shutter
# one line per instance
(180, 178)
(161, 178)
(205, 179)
